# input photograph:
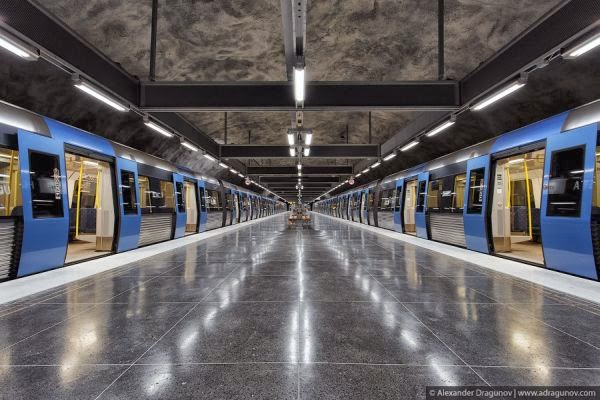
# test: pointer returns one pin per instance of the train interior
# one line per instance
(92, 215)
(410, 207)
(515, 206)
(191, 208)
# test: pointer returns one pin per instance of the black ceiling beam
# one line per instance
(285, 179)
(63, 47)
(306, 170)
(565, 23)
(316, 151)
(279, 96)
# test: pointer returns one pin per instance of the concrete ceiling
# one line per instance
(237, 40)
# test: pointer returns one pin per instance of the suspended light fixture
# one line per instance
(376, 164)
(299, 84)
(584, 46)
(18, 47)
(357, 175)
(389, 156)
(99, 95)
(306, 151)
(512, 87)
(292, 152)
(299, 167)
(364, 171)
(189, 146)
(440, 128)
(209, 157)
(299, 173)
(240, 175)
(157, 128)
(223, 165)
(233, 170)
(308, 138)
(291, 139)
(409, 145)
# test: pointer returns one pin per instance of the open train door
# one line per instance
(566, 209)
(398, 196)
(421, 211)
(203, 210)
(45, 205)
(475, 204)
(180, 206)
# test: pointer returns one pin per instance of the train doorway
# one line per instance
(410, 207)
(515, 206)
(91, 207)
(191, 208)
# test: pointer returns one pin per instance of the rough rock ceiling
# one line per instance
(236, 40)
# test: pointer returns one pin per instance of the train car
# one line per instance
(531, 195)
(67, 195)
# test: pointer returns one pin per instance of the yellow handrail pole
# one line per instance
(97, 199)
(10, 179)
(509, 192)
(78, 199)
(528, 199)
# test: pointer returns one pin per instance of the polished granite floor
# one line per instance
(277, 312)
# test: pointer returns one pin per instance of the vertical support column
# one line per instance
(152, 74)
(441, 74)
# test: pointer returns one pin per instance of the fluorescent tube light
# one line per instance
(409, 145)
(240, 175)
(308, 139)
(364, 171)
(357, 175)
(17, 47)
(292, 152)
(87, 88)
(189, 146)
(233, 170)
(516, 161)
(584, 46)
(291, 139)
(209, 157)
(440, 128)
(158, 128)
(389, 156)
(299, 84)
(376, 164)
(299, 167)
(516, 85)
(223, 165)
(306, 151)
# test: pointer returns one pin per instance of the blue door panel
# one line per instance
(180, 217)
(530, 134)
(398, 209)
(129, 227)
(203, 212)
(475, 228)
(567, 241)
(79, 138)
(44, 243)
(421, 217)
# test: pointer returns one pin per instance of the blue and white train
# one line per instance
(532, 194)
(67, 195)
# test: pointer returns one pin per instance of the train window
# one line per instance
(202, 200)
(128, 192)
(435, 193)
(422, 193)
(458, 194)
(180, 197)
(11, 202)
(476, 190)
(213, 200)
(46, 188)
(398, 198)
(156, 196)
(566, 182)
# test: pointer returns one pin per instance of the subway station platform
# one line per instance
(274, 311)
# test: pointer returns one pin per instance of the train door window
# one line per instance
(566, 182)
(128, 192)
(91, 207)
(11, 202)
(435, 193)
(156, 195)
(46, 191)
(515, 206)
(410, 206)
(476, 186)
(191, 207)
(398, 198)
(180, 197)
(214, 209)
(202, 200)
(421, 196)
(458, 194)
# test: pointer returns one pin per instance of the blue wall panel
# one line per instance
(129, 226)
(421, 217)
(180, 217)
(398, 209)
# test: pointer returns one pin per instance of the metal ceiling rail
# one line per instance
(306, 170)
(279, 96)
(316, 151)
